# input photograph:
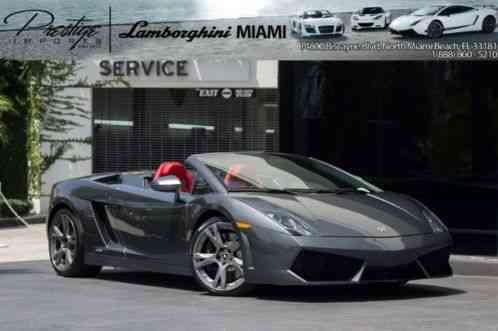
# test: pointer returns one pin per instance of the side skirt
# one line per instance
(136, 264)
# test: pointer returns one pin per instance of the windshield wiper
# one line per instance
(310, 190)
(263, 190)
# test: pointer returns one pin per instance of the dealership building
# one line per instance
(136, 114)
(427, 129)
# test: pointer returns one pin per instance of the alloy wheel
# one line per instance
(489, 24)
(63, 242)
(435, 30)
(217, 258)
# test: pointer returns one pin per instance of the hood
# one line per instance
(406, 21)
(322, 21)
(384, 214)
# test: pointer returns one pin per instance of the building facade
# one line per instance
(134, 115)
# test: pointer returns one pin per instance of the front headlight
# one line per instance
(290, 223)
(436, 224)
(355, 18)
(309, 26)
(377, 17)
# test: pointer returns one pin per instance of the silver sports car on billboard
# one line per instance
(315, 23)
(233, 220)
(438, 20)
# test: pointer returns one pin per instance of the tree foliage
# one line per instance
(33, 89)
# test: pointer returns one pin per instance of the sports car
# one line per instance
(233, 220)
(315, 23)
(370, 17)
(435, 21)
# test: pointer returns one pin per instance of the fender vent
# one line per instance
(103, 223)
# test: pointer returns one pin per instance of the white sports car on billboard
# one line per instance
(370, 17)
(315, 23)
(435, 21)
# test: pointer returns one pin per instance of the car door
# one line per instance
(148, 223)
(457, 17)
(166, 222)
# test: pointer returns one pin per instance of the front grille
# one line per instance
(310, 30)
(326, 29)
(437, 263)
(365, 25)
(318, 266)
(400, 272)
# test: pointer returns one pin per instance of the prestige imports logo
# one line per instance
(77, 32)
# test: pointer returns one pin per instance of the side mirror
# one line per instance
(166, 184)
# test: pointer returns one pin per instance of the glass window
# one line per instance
(371, 11)
(138, 129)
(427, 11)
(267, 171)
(199, 184)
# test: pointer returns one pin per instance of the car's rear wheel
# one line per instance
(489, 24)
(217, 259)
(66, 246)
(435, 30)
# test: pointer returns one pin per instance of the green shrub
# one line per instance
(22, 207)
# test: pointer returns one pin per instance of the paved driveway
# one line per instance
(32, 297)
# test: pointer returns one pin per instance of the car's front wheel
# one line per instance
(217, 259)
(66, 246)
(435, 30)
(489, 24)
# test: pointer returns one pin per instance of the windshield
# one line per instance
(317, 14)
(427, 11)
(371, 11)
(277, 172)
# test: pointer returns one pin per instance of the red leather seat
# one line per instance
(232, 179)
(176, 169)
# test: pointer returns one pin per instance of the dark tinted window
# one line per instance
(371, 10)
(137, 129)
(455, 10)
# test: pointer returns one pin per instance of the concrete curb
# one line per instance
(12, 222)
(469, 265)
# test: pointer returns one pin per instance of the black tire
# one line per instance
(489, 24)
(243, 289)
(77, 267)
(435, 30)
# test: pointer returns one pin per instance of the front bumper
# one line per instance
(323, 30)
(405, 32)
(358, 25)
(285, 260)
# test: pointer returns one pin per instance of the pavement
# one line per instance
(23, 244)
(233, 48)
(33, 297)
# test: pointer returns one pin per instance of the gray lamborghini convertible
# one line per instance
(233, 220)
